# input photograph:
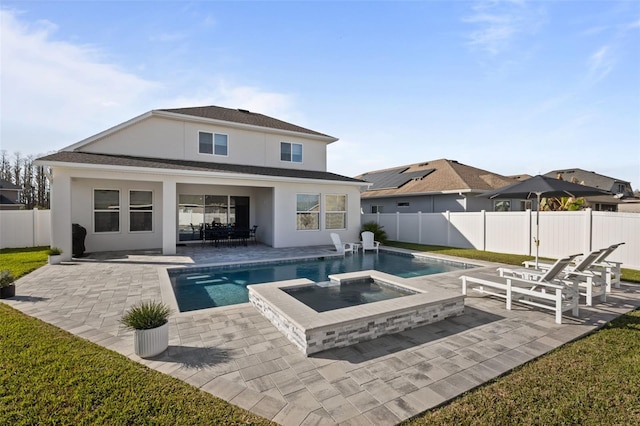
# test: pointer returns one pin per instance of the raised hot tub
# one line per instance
(363, 316)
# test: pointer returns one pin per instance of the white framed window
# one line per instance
(501, 205)
(377, 209)
(213, 143)
(140, 211)
(106, 210)
(291, 152)
(335, 211)
(403, 204)
(307, 212)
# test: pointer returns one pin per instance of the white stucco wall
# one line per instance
(272, 206)
(82, 214)
(287, 235)
(160, 137)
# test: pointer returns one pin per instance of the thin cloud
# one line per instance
(600, 63)
(500, 23)
(65, 86)
(69, 92)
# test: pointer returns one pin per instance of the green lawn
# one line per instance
(21, 261)
(48, 376)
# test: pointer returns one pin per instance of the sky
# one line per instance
(513, 87)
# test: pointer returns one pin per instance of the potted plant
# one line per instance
(7, 286)
(55, 255)
(150, 324)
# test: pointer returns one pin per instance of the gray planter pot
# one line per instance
(148, 343)
(55, 259)
(9, 291)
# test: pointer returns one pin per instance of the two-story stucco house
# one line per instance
(150, 182)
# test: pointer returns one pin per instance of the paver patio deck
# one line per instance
(236, 354)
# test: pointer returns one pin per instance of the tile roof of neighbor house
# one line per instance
(438, 176)
(242, 116)
(202, 166)
(5, 184)
(589, 178)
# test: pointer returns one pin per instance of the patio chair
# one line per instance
(252, 234)
(582, 273)
(544, 291)
(341, 247)
(612, 270)
(368, 242)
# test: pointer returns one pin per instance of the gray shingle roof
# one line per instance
(242, 116)
(5, 184)
(437, 176)
(160, 163)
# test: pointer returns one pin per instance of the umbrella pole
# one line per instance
(537, 239)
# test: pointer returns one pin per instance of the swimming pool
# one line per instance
(209, 287)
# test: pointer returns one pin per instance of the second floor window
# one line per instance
(213, 143)
(291, 152)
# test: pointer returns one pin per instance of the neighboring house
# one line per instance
(433, 187)
(10, 196)
(154, 180)
(620, 188)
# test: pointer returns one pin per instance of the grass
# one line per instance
(48, 376)
(592, 381)
(21, 261)
(630, 275)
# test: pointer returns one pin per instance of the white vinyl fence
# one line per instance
(560, 233)
(25, 228)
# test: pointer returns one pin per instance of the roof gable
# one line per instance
(241, 116)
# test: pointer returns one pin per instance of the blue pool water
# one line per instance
(336, 296)
(200, 288)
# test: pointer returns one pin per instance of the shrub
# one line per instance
(6, 279)
(379, 234)
(146, 315)
(54, 251)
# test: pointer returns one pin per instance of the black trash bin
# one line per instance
(78, 234)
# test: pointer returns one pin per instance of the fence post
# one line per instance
(419, 227)
(397, 226)
(484, 230)
(589, 229)
(36, 226)
(529, 231)
(448, 216)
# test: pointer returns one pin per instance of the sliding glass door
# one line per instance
(195, 212)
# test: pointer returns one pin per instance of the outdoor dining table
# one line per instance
(225, 235)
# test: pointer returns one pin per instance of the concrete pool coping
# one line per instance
(169, 298)
(313, 331)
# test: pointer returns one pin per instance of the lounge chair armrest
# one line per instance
(536, 283)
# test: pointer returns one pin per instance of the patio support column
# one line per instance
(61, 214)
(169, 207)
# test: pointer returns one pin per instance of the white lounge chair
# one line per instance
(591, 280)
(341, 247)
(611, 271)
(546, 291)
(368, 243)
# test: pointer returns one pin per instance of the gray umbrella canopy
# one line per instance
(542, 186)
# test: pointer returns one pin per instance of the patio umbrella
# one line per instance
(542, 186)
